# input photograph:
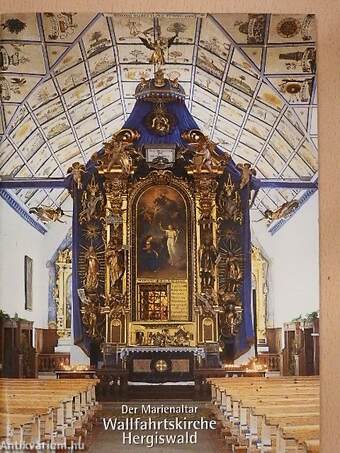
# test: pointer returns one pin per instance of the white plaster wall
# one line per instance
(293, 254)
(17, 239)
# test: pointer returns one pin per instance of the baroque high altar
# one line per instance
(161, 237)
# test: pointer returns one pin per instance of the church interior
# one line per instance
(159, 225)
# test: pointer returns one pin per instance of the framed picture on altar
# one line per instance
(28, 270)
(160, 156)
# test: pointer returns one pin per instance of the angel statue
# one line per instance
(282, 212)
(158, 47)
(47, 215)
(118, 154)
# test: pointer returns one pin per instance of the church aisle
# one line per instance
(109, 441)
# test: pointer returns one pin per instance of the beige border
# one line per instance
(328, 20)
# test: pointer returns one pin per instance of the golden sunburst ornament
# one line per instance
(91, 231)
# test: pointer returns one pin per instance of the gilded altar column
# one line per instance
(206, 298)
(115, 258)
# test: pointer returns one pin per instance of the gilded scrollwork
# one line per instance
(92, 317)
(92, 202)
(229, 202)
(117, 304)
(207, 302)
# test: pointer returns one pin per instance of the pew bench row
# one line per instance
(268, 415)
(46, 411)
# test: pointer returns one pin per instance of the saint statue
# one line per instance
(116, 269)
(208, 256)
(91, 278)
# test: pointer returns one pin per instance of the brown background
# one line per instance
(328, 45)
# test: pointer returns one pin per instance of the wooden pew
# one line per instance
(263, 414)
(45, 410)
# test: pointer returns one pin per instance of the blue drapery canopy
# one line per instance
(184, 122)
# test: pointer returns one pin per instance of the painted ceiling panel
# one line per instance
(128, 27)
(183, 25)
(232, 113)
(300, 168)
(70, 59)
(212, 38)
(210, 63)
(246, 152)
(241, 80)
(308, 153)
(236, 98)
(20, 27)
(251, 140)
(254, 54)
(291, 28)
(207, 82)
(182, 73)
(16, 87)
(18, 58)
(108, 96)
(47, 168)
(22, 131)
(24, 172)
(55, 54)
(264, 113)
(241, 60)
(32, 145)
(67, 83)
(64, 27)
(257, 127)
(7, 150)
(91, 139)
(62, 140)
(244, 28)
(288, 60)
(273, 158)
(68, 152)
(269, 97)
(82, 111)
(225, 126)
(77, 95)
(266, 169)
(104, 80)
(49, 111)
(205, 98)
(205, 115)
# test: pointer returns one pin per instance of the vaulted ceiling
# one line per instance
(67, 84)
